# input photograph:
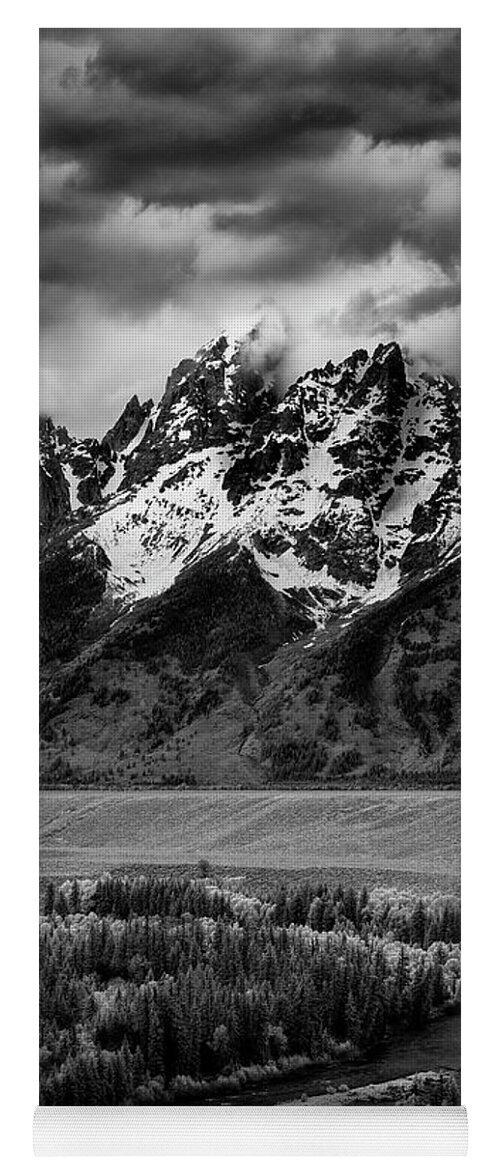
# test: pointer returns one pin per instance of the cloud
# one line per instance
(398, 84)
(451, 157)
(149, 101)
(430, 300)
(355, 208)
(266, 342)
(130, 261)
(298, 125)
(387, 312)
(185, 172)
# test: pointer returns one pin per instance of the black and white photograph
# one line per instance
(250, 567)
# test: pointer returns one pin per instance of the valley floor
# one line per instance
(394, 838)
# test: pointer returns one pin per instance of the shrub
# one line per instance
(296, 760)
(345, 762)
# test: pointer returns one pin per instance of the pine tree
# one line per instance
(50, 898)
(419, 924)
(74, 897)
(352, 1021)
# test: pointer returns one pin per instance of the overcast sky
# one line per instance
(198, 180)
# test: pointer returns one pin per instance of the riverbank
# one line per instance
(431, 1088)
(434, 1049)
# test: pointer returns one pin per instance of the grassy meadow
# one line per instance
(374, 836)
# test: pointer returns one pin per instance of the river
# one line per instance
(437, 1047)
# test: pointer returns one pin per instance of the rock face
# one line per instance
(127, 427)
(77, 474)
(339, 491)
(263, 520)
(209, 401)
(54, 502)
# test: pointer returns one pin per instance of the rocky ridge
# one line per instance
(338, 491)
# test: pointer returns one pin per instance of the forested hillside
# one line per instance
(372, 700)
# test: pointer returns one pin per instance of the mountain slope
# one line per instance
(240, 525)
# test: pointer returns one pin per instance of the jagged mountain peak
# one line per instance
(338, 491)
(209, 400)
(125, 430)
(83, 472)
(216, 348)
(356, 375)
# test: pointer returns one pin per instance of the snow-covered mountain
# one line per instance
(297, 514)
(338, 491)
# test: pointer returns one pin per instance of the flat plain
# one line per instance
(372, 835)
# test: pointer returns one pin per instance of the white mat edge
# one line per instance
(250, 1130)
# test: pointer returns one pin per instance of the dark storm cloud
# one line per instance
(399, 84)
(349, 217)
(124, 273)
(451, 158)
(385, 314)
(430, 300)
(155, 99)
(184, 117)
(70, 205)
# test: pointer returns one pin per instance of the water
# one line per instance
(437, 1047)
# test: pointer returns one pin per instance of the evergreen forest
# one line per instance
(157, 990)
